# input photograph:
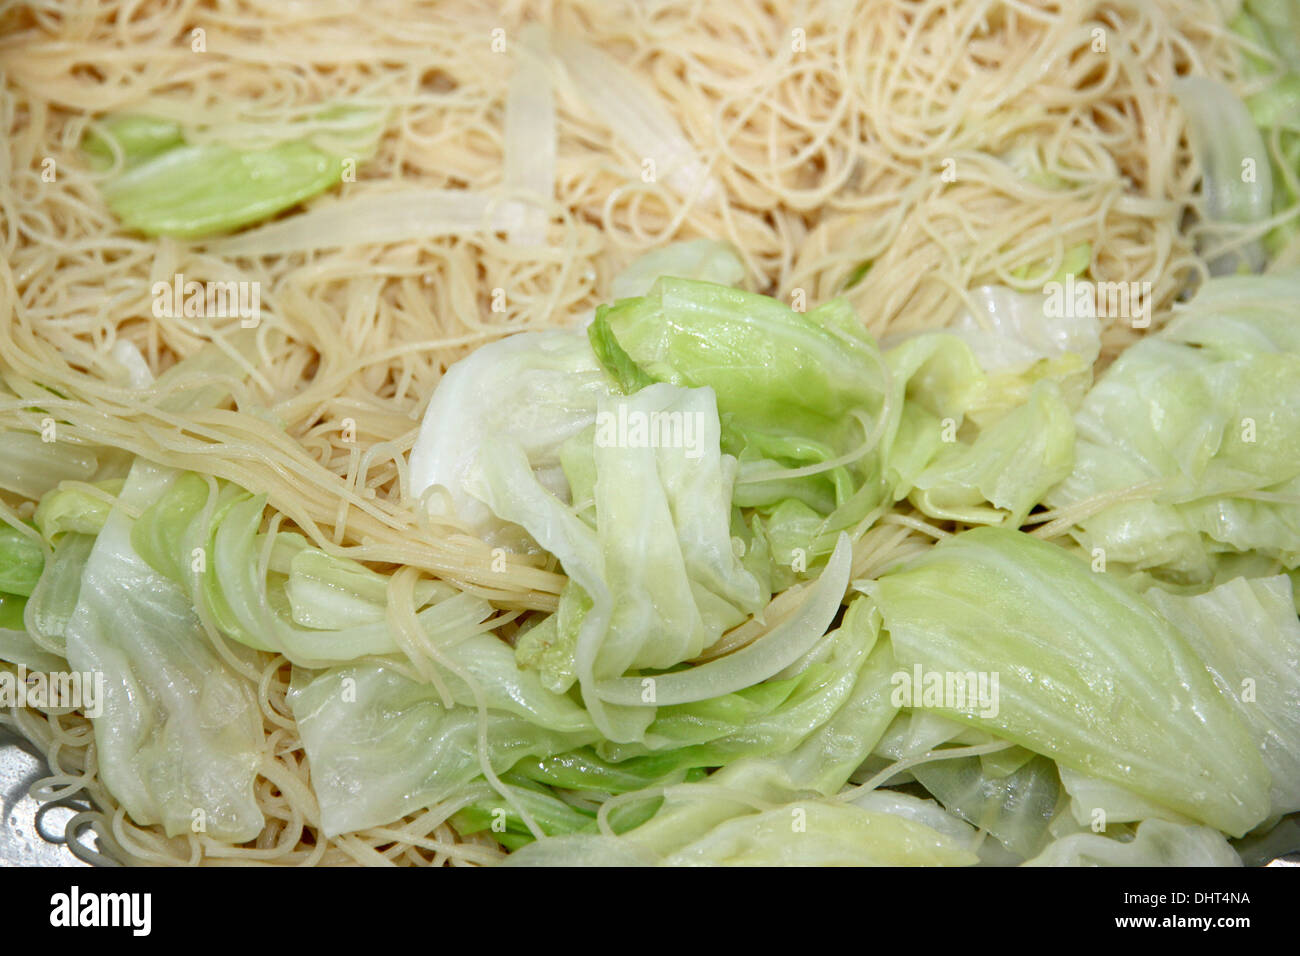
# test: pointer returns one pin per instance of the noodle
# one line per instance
(885, 133)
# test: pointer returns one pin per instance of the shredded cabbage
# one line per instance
(179, 739)
(694, 449)
(537, 389)
(1157, 843)
(382, 745)
(1247, 633)
(168, 186)
(1088, 673)
(1203, 421)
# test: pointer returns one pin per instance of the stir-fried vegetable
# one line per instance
(166, 185)
(694, 450)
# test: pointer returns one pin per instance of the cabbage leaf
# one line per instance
(1088, 673)
(179, 738)
(1188, 448)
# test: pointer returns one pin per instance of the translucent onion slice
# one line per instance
(755, 662)
(530, 136)
(388, 217)
(1237, 180)
(636, 116)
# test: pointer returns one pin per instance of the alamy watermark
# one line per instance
(218, 300)
(133, 911)
(633, 428)
(974, 692)
(1083, 298)
(78, 690)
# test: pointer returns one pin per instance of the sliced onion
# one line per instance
(756, 662)
(530, 135)
(1223, 136)
(127, 355)
(636, 116)
(387, 217)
